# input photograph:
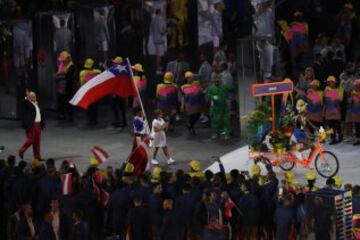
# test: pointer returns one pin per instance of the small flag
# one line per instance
(229, 205)
(96, 189)
(100, 155)
(66, 184)
(104, 197)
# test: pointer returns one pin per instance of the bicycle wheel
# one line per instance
(327, 164)
(286, 165)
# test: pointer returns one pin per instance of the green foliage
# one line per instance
(259, 118)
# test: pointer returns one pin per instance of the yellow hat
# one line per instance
(118, 60)
(315, 83)
(287, 80)
(138, 67)
(289, 176)
(255, 170)
(155, 173)
(338, 181)
(35, 162)
(89, 63)
(301, 105)
(331, 79)
(195, 165)
(262, 181)
(311, 175)
(102, 172)
(129, 168)
(228, 178)
(94, 161)
(189, 74)
(63, 55)
(168, 77)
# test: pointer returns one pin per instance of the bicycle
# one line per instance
(326, 162)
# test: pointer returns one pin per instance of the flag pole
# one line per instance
(139, 97)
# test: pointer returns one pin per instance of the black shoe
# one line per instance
(91, 124)
(192, 131)
(341, 138)
(333, 142)
(356, 143)
(188, 128)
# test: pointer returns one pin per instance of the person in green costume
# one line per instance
(218, 94)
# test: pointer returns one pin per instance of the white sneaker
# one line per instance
(154, 162)
(205, 119)
(214, 136)
(171, 161)
(349, 139)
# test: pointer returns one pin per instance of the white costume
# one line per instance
(158, 138)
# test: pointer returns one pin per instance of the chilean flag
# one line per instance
(116, 80)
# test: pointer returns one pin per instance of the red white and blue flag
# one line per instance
(117, 80)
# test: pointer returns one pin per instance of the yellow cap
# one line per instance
(89, 63)
(301, 105)
(315, 83)
(338, 181)
(35, 162)
(189, 74)
(117, 60)
(94, 161)
(255, 170)
(195, 165)
(102, 172)
(287, 80)
(168, 77)
(63, 55)
(138, 67)
(155, 173)
(129, 168)
(311, 175)
(289, 176)
(262, 181)
(331, 79)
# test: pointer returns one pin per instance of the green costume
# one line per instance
(219, 109)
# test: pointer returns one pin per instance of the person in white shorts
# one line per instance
(158, 137)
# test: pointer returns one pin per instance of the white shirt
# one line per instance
(31, 226)
(56, 224)
(158, 138)
(38, 115)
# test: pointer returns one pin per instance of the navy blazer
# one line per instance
(46, 232)
(23, 229)
(28, 114)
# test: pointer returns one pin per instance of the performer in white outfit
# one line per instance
(158, 137)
